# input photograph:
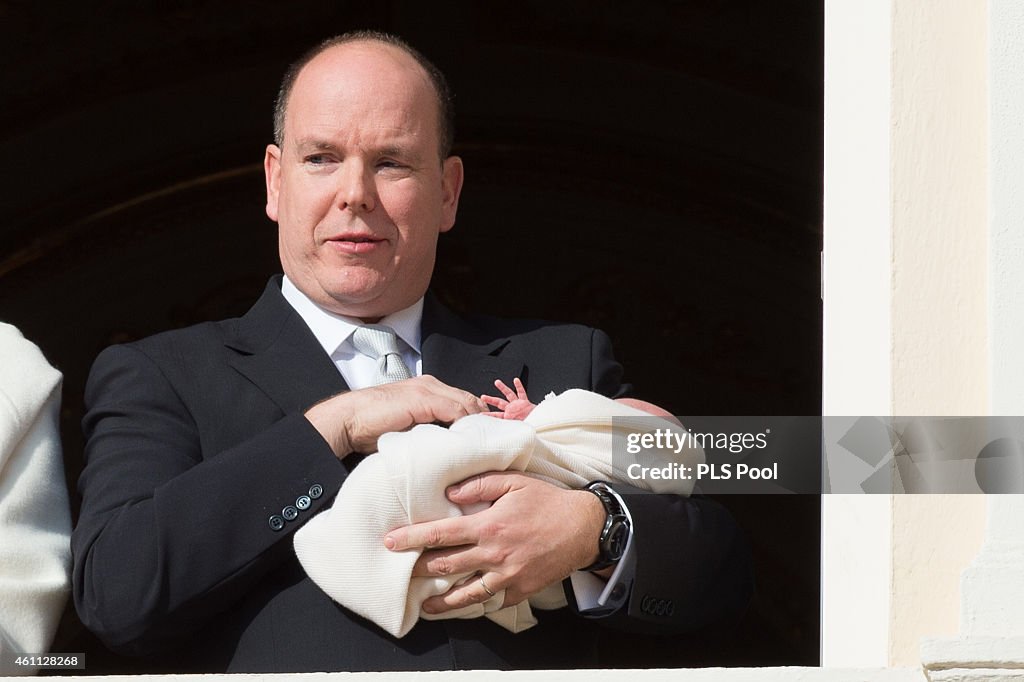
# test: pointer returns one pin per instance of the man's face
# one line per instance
(357, 188)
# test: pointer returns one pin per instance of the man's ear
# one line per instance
(272, 172)
(451, 187)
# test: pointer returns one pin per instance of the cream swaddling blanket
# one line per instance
(567, 440)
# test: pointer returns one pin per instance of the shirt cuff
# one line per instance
(596, 598)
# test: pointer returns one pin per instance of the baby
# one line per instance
(517, 405)
(566, 440)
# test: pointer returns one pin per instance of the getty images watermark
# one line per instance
(676, 441)
(813, 455)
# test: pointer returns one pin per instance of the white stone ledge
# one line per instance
(793, 674)
(975, 675)
(989, 652)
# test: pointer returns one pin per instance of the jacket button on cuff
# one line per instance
(303, 502)
(276, 523)
(290, 513)
(316, 491)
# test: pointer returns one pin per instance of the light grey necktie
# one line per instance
(379, 342)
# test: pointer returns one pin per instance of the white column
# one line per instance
(991, 640)
(856, 529)
(905, 302)
(939, 291)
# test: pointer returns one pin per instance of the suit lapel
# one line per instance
(461, 355)
(279, 354)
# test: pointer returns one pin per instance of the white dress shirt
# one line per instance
(334, 332)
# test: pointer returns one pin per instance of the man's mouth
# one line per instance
(356, 244)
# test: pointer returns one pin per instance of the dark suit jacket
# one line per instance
(196, 437)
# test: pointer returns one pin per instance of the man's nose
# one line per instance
(356, 189)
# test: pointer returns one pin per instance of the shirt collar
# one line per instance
(332, 330)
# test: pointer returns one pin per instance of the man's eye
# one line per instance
(317, 159)
(389, 163)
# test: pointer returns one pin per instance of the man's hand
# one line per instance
(353, 421)
(533, 535)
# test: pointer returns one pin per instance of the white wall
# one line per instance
(1006, 206)
(906, 301)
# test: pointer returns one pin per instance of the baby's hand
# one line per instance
(515, 406)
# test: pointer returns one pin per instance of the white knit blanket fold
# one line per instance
(566, 440)
(35, 520)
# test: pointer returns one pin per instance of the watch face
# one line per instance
(616, 540)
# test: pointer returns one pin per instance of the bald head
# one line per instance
(372, 39)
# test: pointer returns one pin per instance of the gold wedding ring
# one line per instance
(484, 585)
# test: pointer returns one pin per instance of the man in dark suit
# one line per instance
(208, 446)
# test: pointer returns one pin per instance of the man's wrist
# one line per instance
(592, 526)
(615, 531)
(330, 427)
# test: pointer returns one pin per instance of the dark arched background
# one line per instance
(653, 169)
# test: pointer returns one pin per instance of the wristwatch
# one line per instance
(612, 543)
